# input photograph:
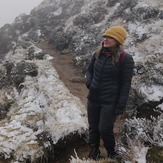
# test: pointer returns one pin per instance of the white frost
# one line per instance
(43, 105)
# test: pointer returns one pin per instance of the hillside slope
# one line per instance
(38, 105)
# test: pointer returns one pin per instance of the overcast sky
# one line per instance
(10, 9)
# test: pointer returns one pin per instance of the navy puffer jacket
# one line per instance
(109, 83)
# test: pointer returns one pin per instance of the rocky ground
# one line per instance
(73, 79)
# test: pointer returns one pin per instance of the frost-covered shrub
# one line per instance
(93, 16)
(161, 14)
(5, 43)
(32, 54)
(5, 100)
(142, 13)
(124, 6)
(19, 72)
(60, 39)
(145, 131)
(27, 21)
(148, 77)
(82, 43)
(4, 107)
(111, 3)
(5, 70)
(33, 35)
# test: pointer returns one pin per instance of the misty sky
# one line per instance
(10, 9)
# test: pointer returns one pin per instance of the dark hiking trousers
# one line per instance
(101, 122)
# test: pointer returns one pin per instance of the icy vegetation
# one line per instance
(43, 105)
(143, 130)
(35, 102)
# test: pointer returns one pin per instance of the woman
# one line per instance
(108, 79)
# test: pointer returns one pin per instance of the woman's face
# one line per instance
(109, 42)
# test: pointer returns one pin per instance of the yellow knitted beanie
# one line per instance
(117, 32)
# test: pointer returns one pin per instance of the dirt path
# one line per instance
(70, 75)
(73, 79)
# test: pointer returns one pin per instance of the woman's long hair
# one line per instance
(115, 51)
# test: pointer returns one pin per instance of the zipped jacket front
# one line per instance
(109, 83)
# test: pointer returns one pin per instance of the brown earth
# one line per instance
(73, 79)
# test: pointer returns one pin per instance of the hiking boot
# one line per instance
(113, 155)
(94, 153)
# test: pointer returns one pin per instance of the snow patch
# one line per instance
(152, 93)
(58, 12)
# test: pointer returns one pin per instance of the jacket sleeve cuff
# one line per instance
(88, 83)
